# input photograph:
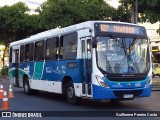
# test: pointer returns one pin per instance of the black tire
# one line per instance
(70, 94)
(27, 89)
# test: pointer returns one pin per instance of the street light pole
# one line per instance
(134, 11)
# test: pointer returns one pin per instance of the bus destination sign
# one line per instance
(117, 28)
(120, 28)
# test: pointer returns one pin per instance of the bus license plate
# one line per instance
(128, 96)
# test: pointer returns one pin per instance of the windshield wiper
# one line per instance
(124, 46)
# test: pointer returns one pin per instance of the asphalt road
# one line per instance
(156, 83)
(53, 102)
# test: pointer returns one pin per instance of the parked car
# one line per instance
(155, 69)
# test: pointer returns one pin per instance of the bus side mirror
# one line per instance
(94, 43)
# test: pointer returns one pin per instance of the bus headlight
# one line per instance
(149, 81)
(101, 81)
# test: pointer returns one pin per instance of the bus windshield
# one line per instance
(122, 55)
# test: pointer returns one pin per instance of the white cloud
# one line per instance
(32, 4)
(11, 2)
(113, 3)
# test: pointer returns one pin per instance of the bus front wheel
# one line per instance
(27, 89)
(71, 98)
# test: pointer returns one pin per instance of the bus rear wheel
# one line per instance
(71, 98)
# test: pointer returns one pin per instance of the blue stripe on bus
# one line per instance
(53, 70)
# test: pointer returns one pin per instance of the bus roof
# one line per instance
(61, 31)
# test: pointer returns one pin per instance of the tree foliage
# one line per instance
(123, 13)
(62, 13)
(148, 9)
(16, 23)
(12, 21)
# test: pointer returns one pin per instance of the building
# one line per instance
(154, 38)
(152, 30)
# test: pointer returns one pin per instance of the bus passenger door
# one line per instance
(86, 66)
(16, 80)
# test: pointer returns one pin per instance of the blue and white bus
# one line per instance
(99, 60)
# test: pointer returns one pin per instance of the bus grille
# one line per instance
(126, 79)
(121, 93)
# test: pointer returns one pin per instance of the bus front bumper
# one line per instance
(101, 93)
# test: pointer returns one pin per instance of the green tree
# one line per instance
(11, 20)
(63, 13)
(148, 10)
(16, 23)
(123, 13)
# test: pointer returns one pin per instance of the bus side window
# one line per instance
(21, 53)
(52, 49)
(39, 50)
(28, 52)
(70, 46)
(26, 58)
(31, 48)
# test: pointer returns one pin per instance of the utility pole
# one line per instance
(134, 11)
